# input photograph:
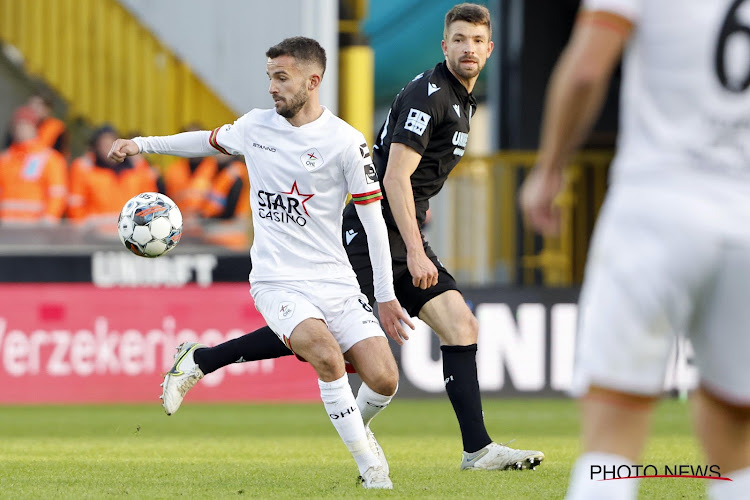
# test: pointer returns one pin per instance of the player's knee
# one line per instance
(386, 384)
(465, 330)
(330, 368)
(327, 361)
(473, 328)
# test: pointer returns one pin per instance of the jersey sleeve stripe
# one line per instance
(214, 144)
(364, 199)
(376, 191)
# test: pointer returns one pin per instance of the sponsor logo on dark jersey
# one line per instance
(417, 121)
(460, 139)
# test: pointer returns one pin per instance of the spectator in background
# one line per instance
(51, 131)
(226, 208)
(188, 181)
(32, 176)
(100, 187)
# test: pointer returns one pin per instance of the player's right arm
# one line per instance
(227, 139)
(402, 162)
(419, 114)
(575, 95)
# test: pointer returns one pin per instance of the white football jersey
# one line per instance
(299, 181)
(685, 96)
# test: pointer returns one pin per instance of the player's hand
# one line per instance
(121, 149)
(393, 318)
(423, 272)
(537, 200)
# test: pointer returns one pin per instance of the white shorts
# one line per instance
(343, 307)
(667, 260)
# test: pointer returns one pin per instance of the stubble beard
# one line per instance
(464, 73)
(295, 104)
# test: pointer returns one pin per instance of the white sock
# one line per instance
(585, 478)
(370, 403)
(736, 489)
(341, 407)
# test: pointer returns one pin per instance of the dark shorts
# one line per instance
(411, 298)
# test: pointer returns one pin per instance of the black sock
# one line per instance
(260, 344)
(462, 386)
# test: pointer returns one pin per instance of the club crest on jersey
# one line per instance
(311, 159)
(286, 309)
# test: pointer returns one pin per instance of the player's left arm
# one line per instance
(575, 95)
(366, 195)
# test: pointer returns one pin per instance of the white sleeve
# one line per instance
(380, 251)
(361, 176)
(186, 144)
(363, 185)
(227, 139)
(230, 138)
(629, 9)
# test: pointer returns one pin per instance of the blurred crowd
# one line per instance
(42, 185)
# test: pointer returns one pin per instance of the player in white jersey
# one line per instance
(302, 162)
(671, 251)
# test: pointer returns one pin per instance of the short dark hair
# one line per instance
(469, 12)
(301, 48)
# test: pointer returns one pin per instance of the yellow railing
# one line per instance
(109, 68)
(483, 193)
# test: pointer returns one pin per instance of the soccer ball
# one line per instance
(150, 224)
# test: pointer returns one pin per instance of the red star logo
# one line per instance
(295, 190)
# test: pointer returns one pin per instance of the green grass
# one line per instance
(292, 451)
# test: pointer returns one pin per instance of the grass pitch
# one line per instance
(292, 451)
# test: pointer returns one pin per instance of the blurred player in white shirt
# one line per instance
(671, 251)
(302, 161)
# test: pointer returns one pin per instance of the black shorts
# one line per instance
(411, 298)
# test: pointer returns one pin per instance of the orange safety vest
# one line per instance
(215, 203)
(234, 232)
(33, 184)
(97, 194)
(49, 131)
(189, 189)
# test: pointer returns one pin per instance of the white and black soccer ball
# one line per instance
(150, 224)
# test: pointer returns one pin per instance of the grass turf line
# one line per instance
(292, 451)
